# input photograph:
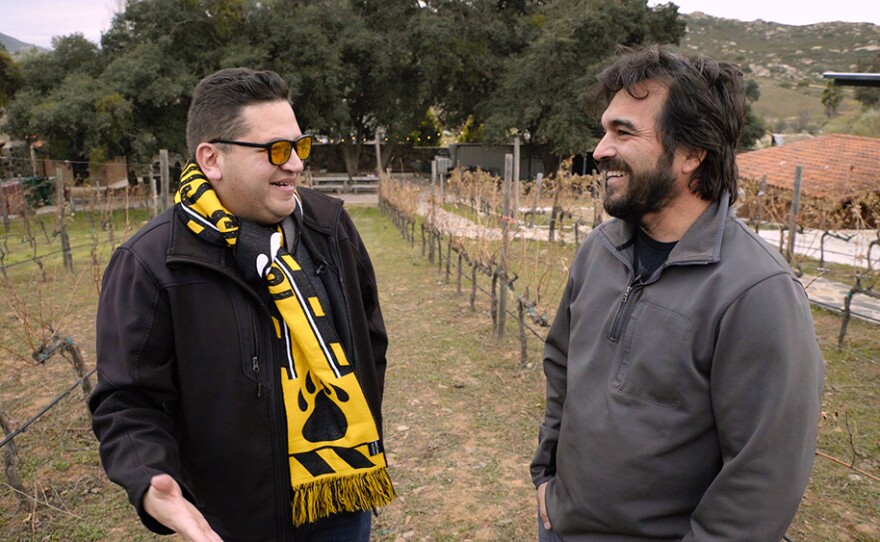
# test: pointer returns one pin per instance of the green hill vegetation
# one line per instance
(787, 62)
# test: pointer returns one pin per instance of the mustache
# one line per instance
(612, 164)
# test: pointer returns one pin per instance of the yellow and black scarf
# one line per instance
(337, 463)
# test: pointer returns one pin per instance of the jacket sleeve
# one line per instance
(129, 405)
(766, 386)
(543, 466)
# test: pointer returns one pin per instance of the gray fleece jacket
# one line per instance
(684, 408)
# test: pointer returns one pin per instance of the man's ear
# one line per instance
(210, 160)
(692, 160)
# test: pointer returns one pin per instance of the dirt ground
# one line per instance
(460, 420)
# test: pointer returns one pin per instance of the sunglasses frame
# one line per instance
(294, 146)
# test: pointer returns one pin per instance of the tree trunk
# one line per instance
(351, 154)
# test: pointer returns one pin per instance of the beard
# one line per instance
(646, 192)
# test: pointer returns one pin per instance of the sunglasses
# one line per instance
(278, 151)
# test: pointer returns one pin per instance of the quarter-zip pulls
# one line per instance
(617, 325)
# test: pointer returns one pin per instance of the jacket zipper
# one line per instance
(617, 325)
(276, 408)
(255, 359)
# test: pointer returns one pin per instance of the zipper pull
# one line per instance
(625, 295)
(256, 368)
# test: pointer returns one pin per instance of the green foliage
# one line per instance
(665, 25)
(428, 132)
(831, 99)
(471, 132)
(864, 123)
(10, 76)
(546, 89)
(489, 68)
(38, 191)
(753, 127)
(869, 96)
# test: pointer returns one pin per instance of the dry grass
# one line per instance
(460, 420)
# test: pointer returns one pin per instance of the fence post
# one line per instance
(165, 178)
(380, 133)
(847, 311)
(523, 342)
(433, 190)
(154, 194)
(759, 212)
(505, 246)
(3, 207)
(439, 235)
(423, 239)
(473, 286)
(448, 254)
(538, 180)
(516, 174)
(458, 287)
(553, 211)
(59, 202)
(795, 203)
(494, 304)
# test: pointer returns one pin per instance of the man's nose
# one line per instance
(294, 164)
(603, 150)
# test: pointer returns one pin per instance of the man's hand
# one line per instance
(165, 502)
(542, 506)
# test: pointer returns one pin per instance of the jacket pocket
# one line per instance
(656, 355)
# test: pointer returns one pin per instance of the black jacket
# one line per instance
(188, 366)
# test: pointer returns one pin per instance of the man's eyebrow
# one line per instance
(622, 123)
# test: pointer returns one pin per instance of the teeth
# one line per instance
(614, 174)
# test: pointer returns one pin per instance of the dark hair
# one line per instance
(215, 110)
(704, 109)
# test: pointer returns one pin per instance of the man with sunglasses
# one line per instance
(240, 343)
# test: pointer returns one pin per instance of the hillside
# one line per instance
(13, 45)
(784, 52)
(787, 61)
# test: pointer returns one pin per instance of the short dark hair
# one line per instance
(704, 109)
(215, 110)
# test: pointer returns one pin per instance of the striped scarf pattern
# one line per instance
(337, 462)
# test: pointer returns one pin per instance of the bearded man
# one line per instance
(683, 372)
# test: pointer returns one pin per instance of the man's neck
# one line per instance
(670, 223)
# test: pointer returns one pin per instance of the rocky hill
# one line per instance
(787, 62)
(784, 52)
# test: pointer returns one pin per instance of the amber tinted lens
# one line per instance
(303, 147)
(280, 153)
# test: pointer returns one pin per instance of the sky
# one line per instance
(37, 21)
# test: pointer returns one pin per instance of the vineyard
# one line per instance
(470, 272)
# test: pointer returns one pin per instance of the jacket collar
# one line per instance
(701, 243)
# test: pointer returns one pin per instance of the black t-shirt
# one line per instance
(650, 254)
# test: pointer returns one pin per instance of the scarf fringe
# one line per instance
(325, 497)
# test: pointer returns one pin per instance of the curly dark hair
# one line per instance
(704, 110)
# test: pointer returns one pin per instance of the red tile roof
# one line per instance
(833, 166)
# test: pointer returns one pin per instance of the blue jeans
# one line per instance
(544, 535)
(345, 527)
